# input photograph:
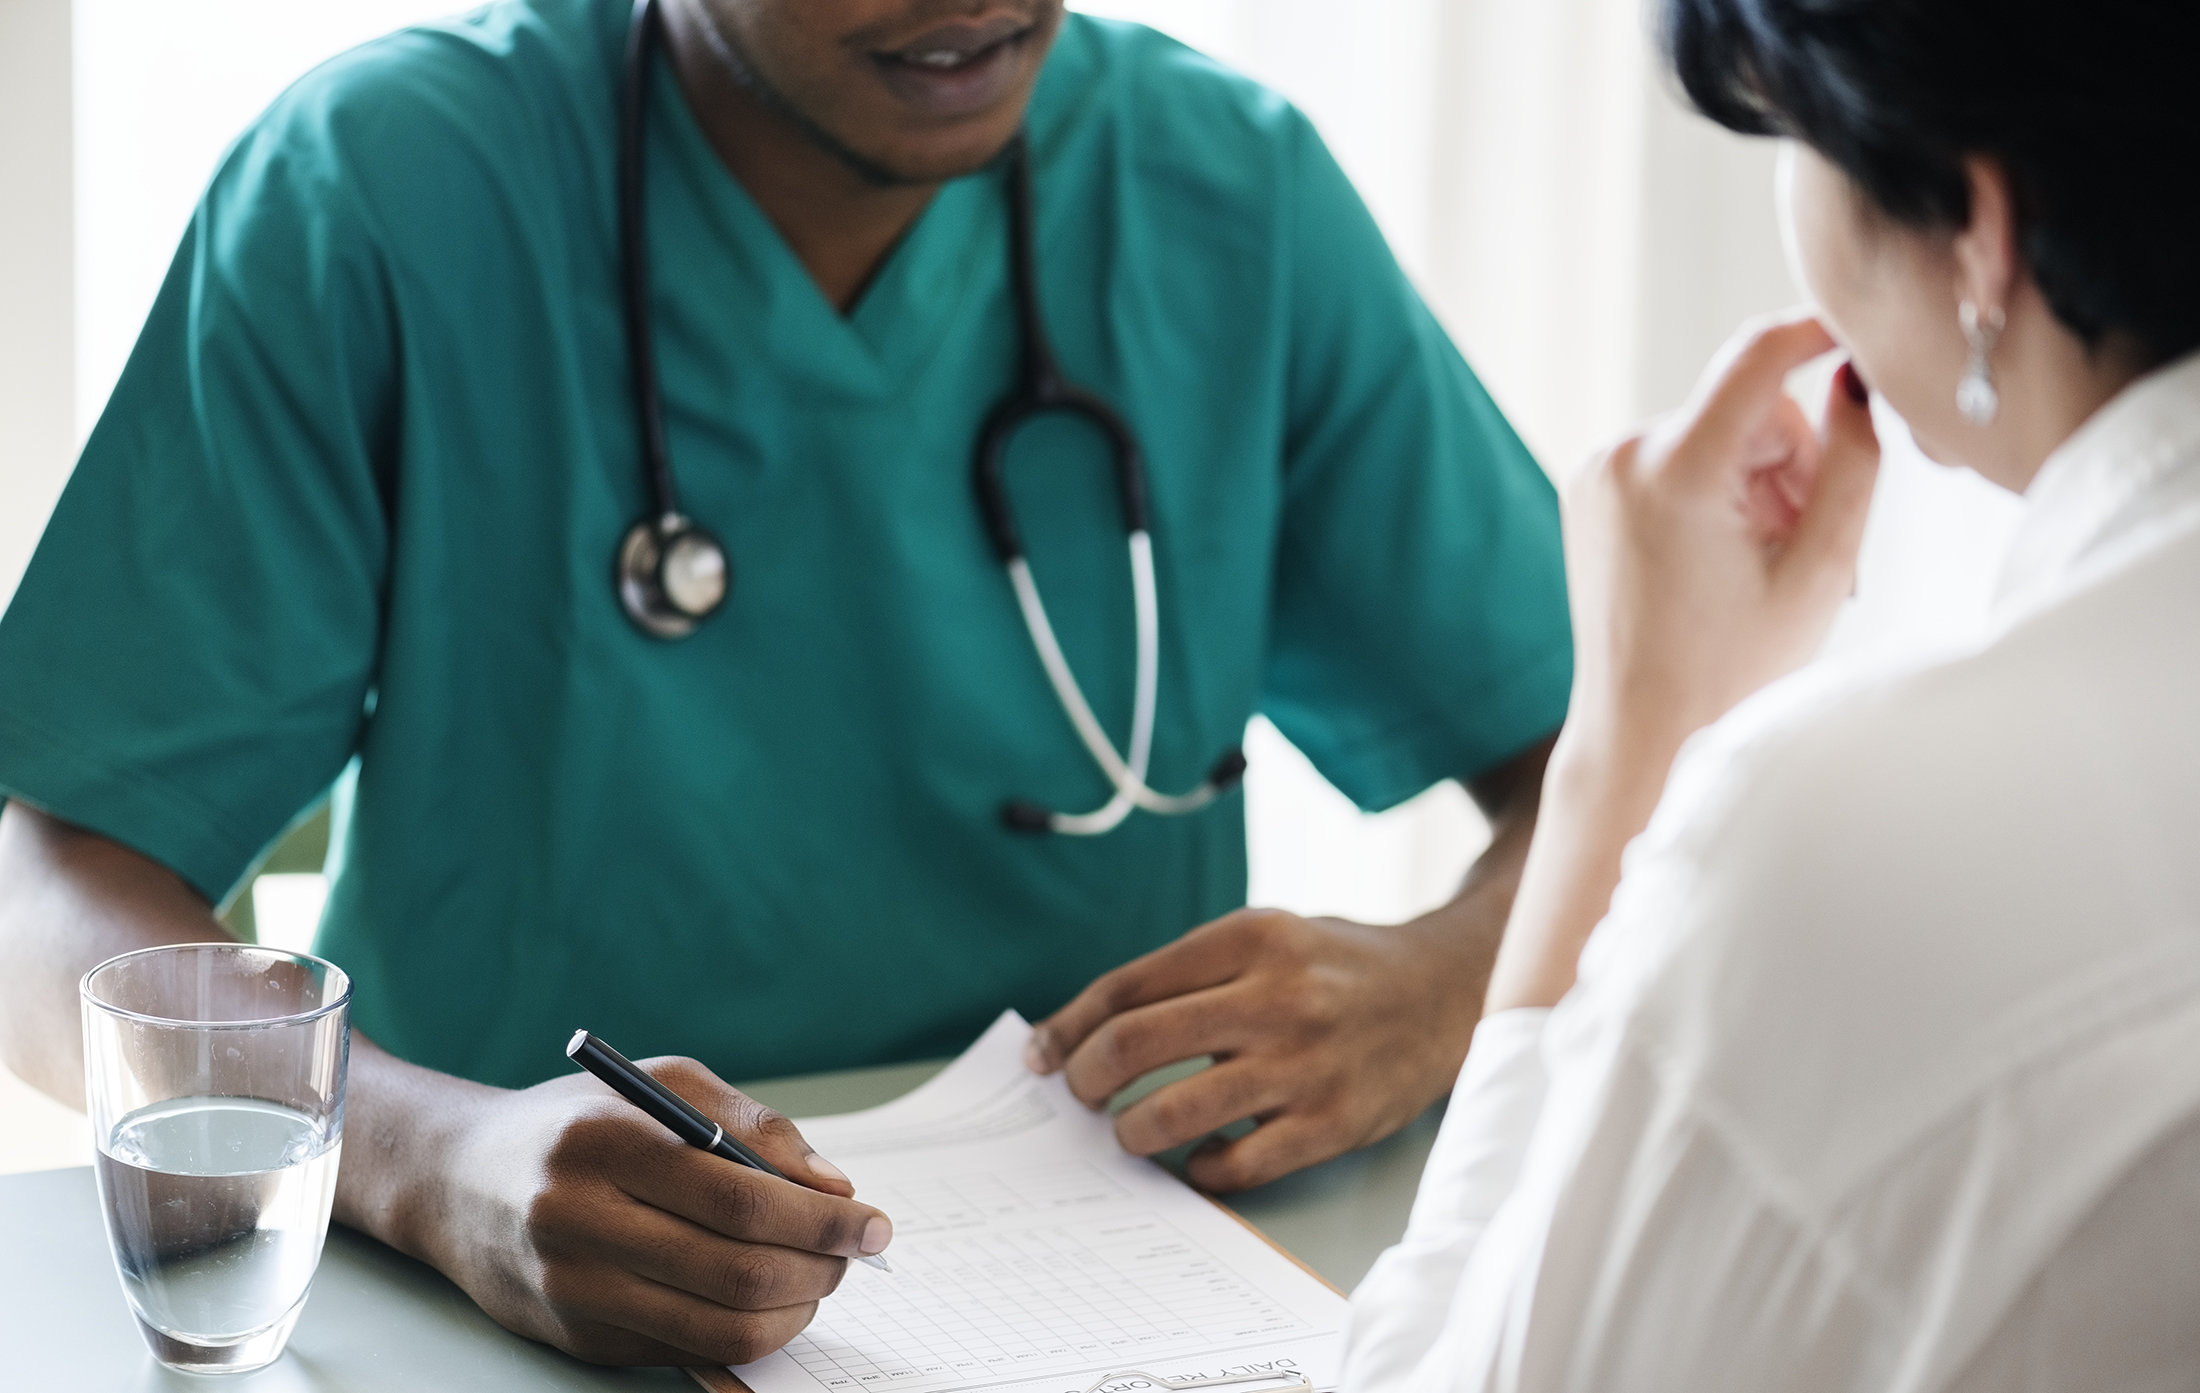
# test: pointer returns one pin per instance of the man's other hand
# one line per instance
(1331, 1034)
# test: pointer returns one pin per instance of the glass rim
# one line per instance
(341, 978)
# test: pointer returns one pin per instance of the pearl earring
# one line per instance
(1976, 396)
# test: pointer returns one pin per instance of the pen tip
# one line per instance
(878, 1262)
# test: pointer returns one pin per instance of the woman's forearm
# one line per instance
(1599, 793)
(1705, 558)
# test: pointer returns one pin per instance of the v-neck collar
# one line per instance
(919, 290)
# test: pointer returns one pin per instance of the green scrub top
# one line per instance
(355, 499)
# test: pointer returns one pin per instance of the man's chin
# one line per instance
(922, 167)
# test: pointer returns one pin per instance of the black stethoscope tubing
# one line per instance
(671, 573)
(634, 267)
(1041, 388)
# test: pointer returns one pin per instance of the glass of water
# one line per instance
(214, 1075)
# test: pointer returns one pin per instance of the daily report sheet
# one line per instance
(1032, 1255)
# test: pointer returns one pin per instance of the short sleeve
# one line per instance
(187, 661)
(1420, 629)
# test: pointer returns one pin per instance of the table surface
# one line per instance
(378, 1322)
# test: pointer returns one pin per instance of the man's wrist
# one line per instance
(1461, 937)
(402, 1130)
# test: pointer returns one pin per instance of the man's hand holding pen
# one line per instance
(574, 1218)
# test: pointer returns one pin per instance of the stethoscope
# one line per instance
(672, 574)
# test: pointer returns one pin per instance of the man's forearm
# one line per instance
(526, 1198)
(1462, 936)
(1470, 925)
(69, 900)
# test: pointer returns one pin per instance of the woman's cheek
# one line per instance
(1818, 229)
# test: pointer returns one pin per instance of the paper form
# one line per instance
(1032, 1255)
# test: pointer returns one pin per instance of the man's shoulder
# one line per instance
(1162, 102)
(1162, 78)
(436, 103)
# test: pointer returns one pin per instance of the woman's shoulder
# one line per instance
(1929, 780)
(1939, 775)
(1872, 893)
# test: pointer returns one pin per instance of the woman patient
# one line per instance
(1882, 1069)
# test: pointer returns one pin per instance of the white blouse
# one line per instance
(1883, 1072)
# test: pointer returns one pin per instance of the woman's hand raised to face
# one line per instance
(1704, 558)
(1708, 556)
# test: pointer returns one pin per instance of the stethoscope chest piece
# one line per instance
(672, 575)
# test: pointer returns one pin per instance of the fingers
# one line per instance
(1207, 956)
(1780, 465)
(1209, 1100)
(720, 1336)
(1824, 548)
(621, 1318)
(1747, 378)
(1127, 1047)
(1273, 1149)
(740, 1276)
(763, 1130)
(737, 1202)
(771, 1135)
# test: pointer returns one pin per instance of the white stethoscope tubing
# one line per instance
(1127, 776)
(670, 573)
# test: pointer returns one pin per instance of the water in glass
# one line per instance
(219, 1207)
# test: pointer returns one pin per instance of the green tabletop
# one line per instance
(379, 1322)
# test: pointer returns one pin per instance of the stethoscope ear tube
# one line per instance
(1126, 775)
(1041, 389)
(670, 573)
(1023, 815)
(1033, 399)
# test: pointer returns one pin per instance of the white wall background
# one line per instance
(1587, 242)
(37, 429)
(37, 274)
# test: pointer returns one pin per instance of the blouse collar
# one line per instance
(2082, 499)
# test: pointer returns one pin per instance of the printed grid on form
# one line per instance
(970, 1201)
(1033, 1301)
(1017, 1107)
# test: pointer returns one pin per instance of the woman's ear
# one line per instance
(1986, 248)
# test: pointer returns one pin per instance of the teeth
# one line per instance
(938, 58)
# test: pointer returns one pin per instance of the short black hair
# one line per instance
(2092, 107)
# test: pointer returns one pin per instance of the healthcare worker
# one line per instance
(779, 512)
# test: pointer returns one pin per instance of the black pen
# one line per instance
(678, 1115)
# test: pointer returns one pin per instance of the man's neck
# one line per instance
(840, 224)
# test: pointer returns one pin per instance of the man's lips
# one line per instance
(955, 70)
(948, 45)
